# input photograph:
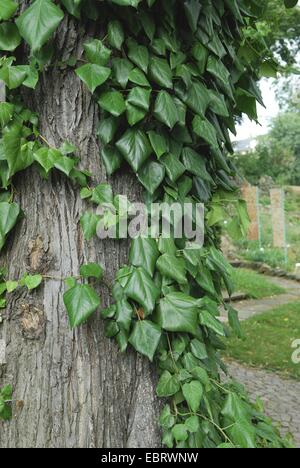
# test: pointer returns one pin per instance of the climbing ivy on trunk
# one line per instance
(170, 77)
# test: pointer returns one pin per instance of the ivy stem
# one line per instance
(213, 423)
(57, 278)
(220, 386)
(45, 141)
(171, 351)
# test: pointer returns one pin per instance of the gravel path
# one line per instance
(281, 397)
(252, 307)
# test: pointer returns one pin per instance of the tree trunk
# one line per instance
(73, 388)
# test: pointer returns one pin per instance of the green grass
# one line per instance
(268, 342)
(254, 284)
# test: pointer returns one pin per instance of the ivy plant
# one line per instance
(169, 78)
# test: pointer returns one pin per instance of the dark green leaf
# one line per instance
(145, 338)
(161, 72)
(81, 302)
(172, 267)
(38, 22)
(91, 270)
(142, 289)
(93, 75)
(113, 102)
(7, 9)
(178, 312)
(165, 109)
(135, 148)
(96, 52)
(144, 253)
(151, 175)
(10, 38)
(116, 35)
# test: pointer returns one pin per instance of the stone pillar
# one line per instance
(251, 196)
(278, 218)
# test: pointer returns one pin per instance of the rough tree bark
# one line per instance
(74, 389)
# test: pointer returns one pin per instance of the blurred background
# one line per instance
(267, 260)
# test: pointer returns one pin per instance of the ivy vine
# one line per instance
(169, 77)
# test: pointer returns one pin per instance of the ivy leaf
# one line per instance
(151, 176)
(81, 302)
(217, 69)
(145, 338)
(91, 270)
(65, 165)
(112, 159)
(196, 98)
(178, 312)
(144, 253)
(139, 55)
(161, 72)
(11, 286)
(192, 424)
(198, 349)
(107, 129)
(31, 281)
(47, 158)
(174, 167)
(192, 10)
(13, 76)
(165, 109)
(89, 222)
(122, 68)
(136, 76)
(206, 131)
(6, 113)
(211, 322)
(159, 143)
(96, 52)
(193, 393)
(135, 148)
(180, 433)
(38, 22)
(142, 289)
(139, 97)
(9, 213)
(112, 102)
(172, 267)
(242, 433)
(116, 34)
(134, 114)
(103, 193)
(10, 38)
(93, 75)
(195, 163)
(168, 385)
(234, 322)
(167, 420)
(7, 9)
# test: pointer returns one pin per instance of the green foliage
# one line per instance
(277, 154)
(168, 77)
(5, 403)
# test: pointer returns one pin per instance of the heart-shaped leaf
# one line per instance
(81, 302)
